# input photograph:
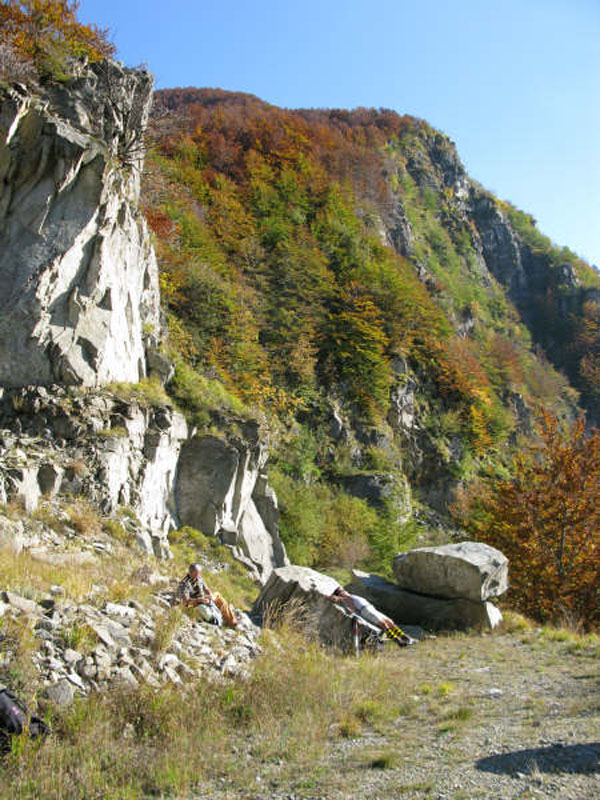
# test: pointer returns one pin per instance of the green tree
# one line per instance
(352, 350)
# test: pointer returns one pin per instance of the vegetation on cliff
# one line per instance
(38, 36)
(318, 264)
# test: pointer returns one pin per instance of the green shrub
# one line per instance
(197, 395)
(323, 526)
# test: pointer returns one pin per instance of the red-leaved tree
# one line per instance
(546, 520)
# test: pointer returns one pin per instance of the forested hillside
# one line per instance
(398, 326)
(337, 312)
(415, 351)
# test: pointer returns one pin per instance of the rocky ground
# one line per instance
(515, 715)
(513, 720)
(91, 629)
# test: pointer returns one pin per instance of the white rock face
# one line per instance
(78, 275)
(79, 306)
(221, 491)
(139, 471)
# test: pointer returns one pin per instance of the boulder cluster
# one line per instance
(438, 588)
(441, 588)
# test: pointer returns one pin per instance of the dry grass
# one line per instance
(305, 721)
(32, 578)
(285, 713)
(166, 628)
(84, 517)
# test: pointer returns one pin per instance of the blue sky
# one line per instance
(515, 83)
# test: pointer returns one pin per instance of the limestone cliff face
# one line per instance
(124, 453)
(78, 275)
(79, 298)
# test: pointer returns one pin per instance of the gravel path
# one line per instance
(531, 728)
(499, 717)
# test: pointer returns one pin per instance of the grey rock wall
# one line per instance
(78, 275)
(79, 306)
(222, 491)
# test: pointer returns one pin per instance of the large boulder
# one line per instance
(215, 482)
(294, 583)
(431, 613)
(468, 570)
(303, 594)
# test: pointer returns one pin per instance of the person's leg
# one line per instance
(229, 617)
(392, 631)
(210, 613)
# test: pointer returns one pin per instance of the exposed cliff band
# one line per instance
(78, 276)
(79, 297)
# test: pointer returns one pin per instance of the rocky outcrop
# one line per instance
(79, 306)
(469, 570)
(78, 275)
(430, 613)
(221, 491)
(136, 455)
(114, 452)
(500, 246)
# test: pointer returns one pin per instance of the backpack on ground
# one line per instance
(16, 719)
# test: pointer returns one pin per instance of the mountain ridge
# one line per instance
(413, 320)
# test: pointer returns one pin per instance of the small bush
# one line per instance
(386, 759)
(84, 517)
(147, 392)
(197, 395)
(80, 637)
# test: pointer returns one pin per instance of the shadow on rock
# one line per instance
(583, 758)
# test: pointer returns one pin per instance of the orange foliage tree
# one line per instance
(546, 519)
(46, 31)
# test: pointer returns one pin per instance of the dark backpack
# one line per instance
(15, 718)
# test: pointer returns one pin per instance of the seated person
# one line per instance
(355, 604)
(192, 592)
